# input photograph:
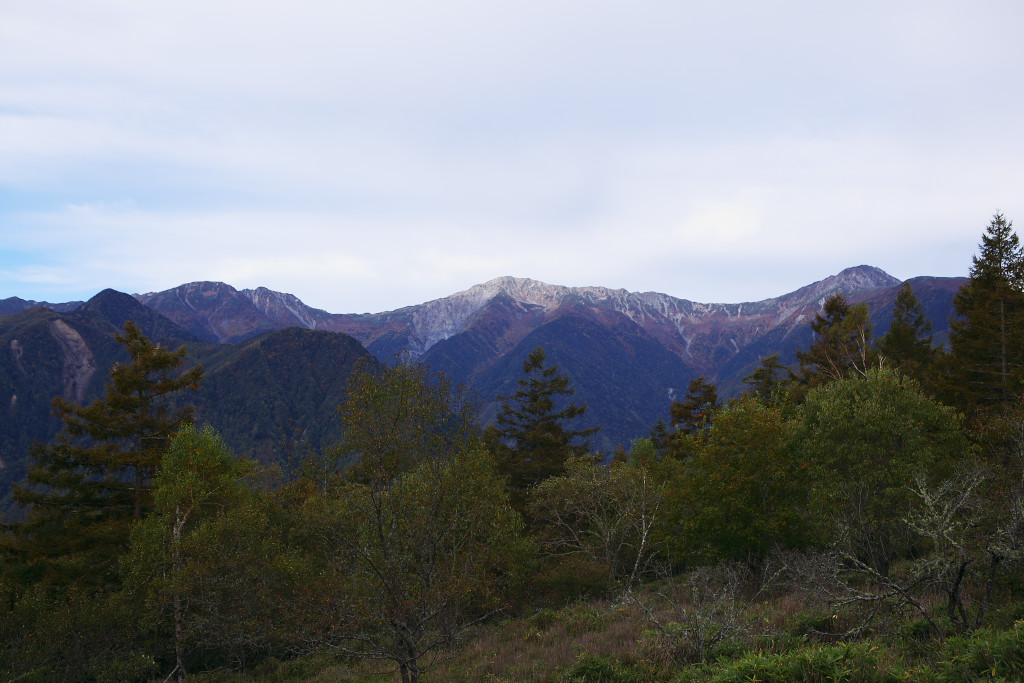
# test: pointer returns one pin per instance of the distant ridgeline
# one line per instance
(276, 369)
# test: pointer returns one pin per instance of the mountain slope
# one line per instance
(480, 336)
(270, 396)
(627, 353)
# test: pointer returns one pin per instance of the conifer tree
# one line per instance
(908, 343)
(83, 491)
(765, 381)
(535, 429)
(987, 347)
(696, 409)
(842, 342)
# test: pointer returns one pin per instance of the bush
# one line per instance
(842, 662)
(986, 655)
(810, 623)
(590, 668)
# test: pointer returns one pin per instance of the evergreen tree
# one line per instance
(83, 491)
(842, 342)
(987, 346)
(697, 408)
(765, 381)
(660, 436)
(908, 343)
(535, 429)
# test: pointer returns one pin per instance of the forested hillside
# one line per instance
(855, 512)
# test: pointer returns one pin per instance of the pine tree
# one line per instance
(908, 343)
(697, 408)
(83, 491)
(533, 427)
(987, 347)
(765, 381)
(842, 342)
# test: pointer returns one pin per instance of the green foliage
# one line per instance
(420, 560)
(396, 418)
(534, 427)
(68, 634)
(605, 514)
(740, 493)
(864, 440)
(591, 668)
(766, 383)
(987, 334)
(908, 343)
(852, 662)
(843, 342)
(209, 562)
(697, 409)
(984, 656)
(84, 490)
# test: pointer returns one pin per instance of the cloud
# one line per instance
(373, 155)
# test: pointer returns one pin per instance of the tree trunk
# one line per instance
(179, 612)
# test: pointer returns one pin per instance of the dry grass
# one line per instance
(536, 647)
(542, 645)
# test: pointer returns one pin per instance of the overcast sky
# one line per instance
(370, 154)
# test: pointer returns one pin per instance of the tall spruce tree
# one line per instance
(534, 426)
(908, 343)
(987, 334)
(83, 491)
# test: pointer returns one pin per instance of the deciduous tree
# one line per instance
(740, 494)
(394, 418)
(604, 514)
(418, 536)
(865, 439)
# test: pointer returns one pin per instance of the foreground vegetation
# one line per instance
(858, 517)
(778, 636)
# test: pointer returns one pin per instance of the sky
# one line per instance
(366, 155)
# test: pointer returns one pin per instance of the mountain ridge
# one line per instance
(225, 314)
(627, 353)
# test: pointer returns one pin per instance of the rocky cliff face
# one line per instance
(79, 363)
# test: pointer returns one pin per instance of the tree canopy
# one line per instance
(83, 491)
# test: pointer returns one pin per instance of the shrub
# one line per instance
(590, 668)
(986, 655)
(841, 662)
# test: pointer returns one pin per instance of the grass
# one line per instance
(786, 638)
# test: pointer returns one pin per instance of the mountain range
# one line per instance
(276, 368)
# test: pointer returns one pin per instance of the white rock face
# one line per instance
(279, 304)
(79, 363)
(440, 319)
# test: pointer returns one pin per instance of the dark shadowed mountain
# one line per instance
(274, 396)
(15, 305)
